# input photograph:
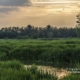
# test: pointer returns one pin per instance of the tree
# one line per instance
(35, 36)
(78, 25)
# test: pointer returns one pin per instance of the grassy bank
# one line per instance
(14, 70)
(72, 77)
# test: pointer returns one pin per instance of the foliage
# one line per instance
(35, 36)
(78, 25)
(13, 70)
(22, 37)
(58, 53)
(72, 77)
(35, 32)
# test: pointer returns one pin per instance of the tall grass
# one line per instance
(61, 52)
(13, 70)
(72, 77)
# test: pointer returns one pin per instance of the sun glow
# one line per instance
(56, 2)
(59, 6)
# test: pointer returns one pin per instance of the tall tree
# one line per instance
(78, 25)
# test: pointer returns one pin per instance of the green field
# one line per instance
(61, 53)
(56, 52)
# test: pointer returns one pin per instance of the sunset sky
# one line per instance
(59, 13)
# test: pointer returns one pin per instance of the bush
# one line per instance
(11, 64)
(35, 36)
(22, 37)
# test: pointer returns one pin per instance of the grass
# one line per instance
(14, 70)
(59, 52)
(72, 77)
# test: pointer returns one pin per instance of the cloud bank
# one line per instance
(15, 2)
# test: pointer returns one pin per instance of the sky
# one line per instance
(58, 13)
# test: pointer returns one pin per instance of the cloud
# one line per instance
(6, 6)
(78, 5)
(15, 2)
(7, 9)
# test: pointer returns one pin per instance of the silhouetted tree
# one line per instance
(78, 25)
(45, 32)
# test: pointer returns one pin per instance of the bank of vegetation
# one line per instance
(57, 53)
(14, 70)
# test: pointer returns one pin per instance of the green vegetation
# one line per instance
(72, 77)
(57, 52)
(78, 25)
(37, 32)
(13, 70)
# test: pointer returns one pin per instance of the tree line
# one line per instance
(37, 32)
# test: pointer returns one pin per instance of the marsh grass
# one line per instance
(14, 70)
(72, 77)
(60, 53)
